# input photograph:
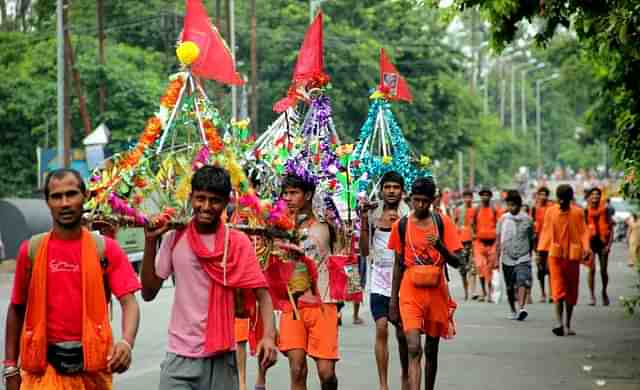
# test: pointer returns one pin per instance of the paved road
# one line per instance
(490, 352)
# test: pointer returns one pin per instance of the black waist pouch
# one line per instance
(67, 357)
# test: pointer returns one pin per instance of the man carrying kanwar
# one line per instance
(58, 320)
(463, 218)
(375, 225)
(424, 242)
(565, 239)
(213, 265)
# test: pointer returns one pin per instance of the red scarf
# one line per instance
(230, 266)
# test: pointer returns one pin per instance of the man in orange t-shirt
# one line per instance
(464, 219)
(485, 222)
(419, 294)
(600, 228)
(537, 213)
(565, 238)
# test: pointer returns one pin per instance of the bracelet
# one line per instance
(125, 342)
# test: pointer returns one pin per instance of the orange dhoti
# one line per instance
(485, 258)
(51, 380)
(565, 278)
(424, 309)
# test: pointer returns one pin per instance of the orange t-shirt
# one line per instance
(538, 219)
(416, 243)
(464, 227)
(486, 221)
(597, 223)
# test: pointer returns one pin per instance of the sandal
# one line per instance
(559, 331)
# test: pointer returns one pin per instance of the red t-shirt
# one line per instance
(417, 245)
(64, 283)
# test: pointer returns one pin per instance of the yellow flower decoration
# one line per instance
(376, 95)
(425, 161)
(187, 52)
(386, 160)
(243, 124)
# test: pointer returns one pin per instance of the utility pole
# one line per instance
(77, 84)
(539, 119)
(102, 89)
(60, 65)
(254, 68)
(67, 94)
(232, 43)
(460, 171)
(513, 100)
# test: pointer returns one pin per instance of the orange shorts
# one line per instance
(242, 330)
(485, 257)
(52, 380)
(316, 332)
(565, 279)
(424, 309)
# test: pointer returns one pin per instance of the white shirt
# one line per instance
(382, 264)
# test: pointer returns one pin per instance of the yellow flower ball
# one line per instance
(187, 52)
(425, 160)
(386, 160)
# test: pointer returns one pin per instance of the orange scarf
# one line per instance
(96, 329)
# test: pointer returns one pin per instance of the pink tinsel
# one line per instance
(250, 201)
(120, 206)
(201, 159)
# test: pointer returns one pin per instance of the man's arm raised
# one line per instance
(151, 282)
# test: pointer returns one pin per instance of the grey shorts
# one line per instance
(517, 276)
(218, 372)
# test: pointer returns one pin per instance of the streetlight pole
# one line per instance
(539, 119)
(541, 65)
(60, 66)
(514, 69)
(232, 43)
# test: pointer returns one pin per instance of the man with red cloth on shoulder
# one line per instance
(210, 261)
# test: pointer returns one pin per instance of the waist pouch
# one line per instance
(67, 357)
(488, 241)
(426, 276)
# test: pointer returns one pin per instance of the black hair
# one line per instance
(514, 197)
(544, 189)
(212, 179)
(467, 192)
(594, 189)
(392, 177)
(424, 186)
(295, 181)
(564, 191)
(60, 173)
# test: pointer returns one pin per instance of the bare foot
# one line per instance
(605, 299)
(358, 321)
(592, 302)
(570, 332)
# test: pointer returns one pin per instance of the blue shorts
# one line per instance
(379, 306)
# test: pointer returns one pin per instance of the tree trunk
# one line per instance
(254, 69)
(84, 114)
(3, 15)
(102, 89)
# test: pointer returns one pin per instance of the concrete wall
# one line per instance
(20, 219)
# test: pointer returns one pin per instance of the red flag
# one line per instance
(391, 81)
(215, 61)
(309, 66)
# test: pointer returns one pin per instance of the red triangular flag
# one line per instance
(392, 81)
(215, 61)
(310, 62)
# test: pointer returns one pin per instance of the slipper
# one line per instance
(550, 300)
(571, 332)
(475, 297)
(559, 331)
(522, 315)
(592, 302)
(358, 321)
(605, 300)
(543, 300)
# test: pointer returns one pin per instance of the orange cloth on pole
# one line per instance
(562, 231)
(242, 330)
(51, 380)
(424, 309)
(97, 338)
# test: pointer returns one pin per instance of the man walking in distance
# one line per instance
(537, 213)
(424, 242)
(600, 226)
(485, 221)
(210, 262)
(374, 239)
(58, 322)
(464, 220)
(315, 333)
(515, 245)
(565, 239)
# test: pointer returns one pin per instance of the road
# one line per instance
(490, 352)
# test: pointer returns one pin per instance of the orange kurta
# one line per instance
(564, 237)
(538, 219)
(424, 309)
(598, 224)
